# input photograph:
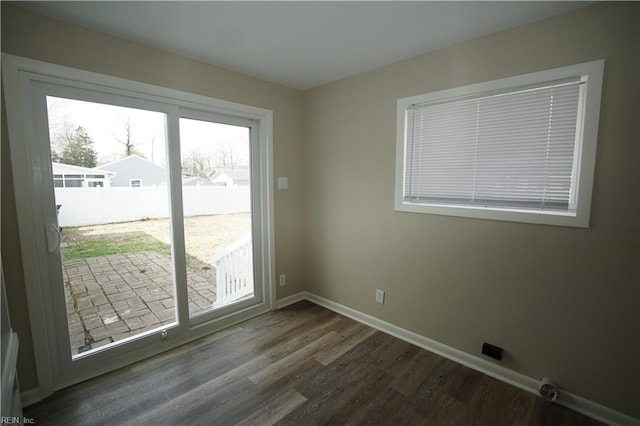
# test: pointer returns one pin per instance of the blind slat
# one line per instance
(512, 149)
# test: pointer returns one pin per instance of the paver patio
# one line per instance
(112, 297)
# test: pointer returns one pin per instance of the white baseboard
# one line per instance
(30, 397)
(290, 300)
(595, 410)
(529, 384)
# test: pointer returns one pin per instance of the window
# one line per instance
(518, 149)
(135, 183)
(71, 181)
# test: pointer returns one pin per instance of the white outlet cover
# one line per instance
(380, 296)
(283, 182)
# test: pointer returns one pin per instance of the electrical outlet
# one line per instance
(283, 280)
(492, 351)
(379, 296)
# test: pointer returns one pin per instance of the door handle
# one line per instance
(54, 238)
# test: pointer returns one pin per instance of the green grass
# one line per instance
(204, 235)
(82, 248)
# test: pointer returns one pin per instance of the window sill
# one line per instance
(541, 217)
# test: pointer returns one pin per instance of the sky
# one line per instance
(106, 125)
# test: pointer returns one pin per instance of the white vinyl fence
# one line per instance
(94, 206)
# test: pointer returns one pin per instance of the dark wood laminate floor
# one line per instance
(301, 365)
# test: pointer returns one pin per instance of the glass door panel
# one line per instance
(216, 192)
(111, 189)
(113, 177)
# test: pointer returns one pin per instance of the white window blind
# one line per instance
(514, 149)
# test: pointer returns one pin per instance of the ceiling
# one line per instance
(300, 44)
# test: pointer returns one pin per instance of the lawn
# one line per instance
(203, 236)
(81, 246)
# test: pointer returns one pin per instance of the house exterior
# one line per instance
(219, 178)
(134, 171)
(231, 177)
(69, 176)
(196, 181)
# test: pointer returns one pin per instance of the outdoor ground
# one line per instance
(119, 277)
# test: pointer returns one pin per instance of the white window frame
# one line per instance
(20, 78)
(591, 74)
(131, 181)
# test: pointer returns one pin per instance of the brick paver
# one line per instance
(113, 297)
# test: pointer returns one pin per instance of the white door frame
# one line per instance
(19, 75)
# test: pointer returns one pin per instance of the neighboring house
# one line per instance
(69, 176)
(196, 181)
(134, 171)
(231, 177)
(220, 179)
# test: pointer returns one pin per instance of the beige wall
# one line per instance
(563, 302)
(33, 36)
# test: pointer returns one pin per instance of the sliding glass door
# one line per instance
(109, 178)
(151, 216)
(216, 193)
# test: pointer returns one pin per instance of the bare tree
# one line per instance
(196, 163)
(128, 142)
(152, 141)
(226, 157)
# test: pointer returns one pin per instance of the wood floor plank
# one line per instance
(199, 395)
(349, 340)
(501, 404)
(301, 365)
(351, 405)
(433, 385)
(298, 340)
(444, 410)
(545, 413)
(349, 368)
(202, 407)
(279, 368)
(464, 383)
(387, 407)
(201, 344)
(264, 340)
(337, 401)
(411, 373)
(275, 410)
(391, 352)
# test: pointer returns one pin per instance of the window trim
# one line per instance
(20, 77)
(138, 180)
(587, 129)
